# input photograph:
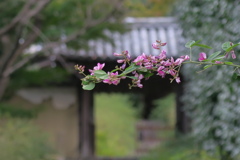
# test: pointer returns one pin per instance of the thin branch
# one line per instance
(50, 45)
(25, 14)
(17, 66)
(12, 48)
(18, 17)
(19, 51)
(32, 13)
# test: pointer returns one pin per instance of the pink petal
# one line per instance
(202, 56)
(155, 46)
(178, 80)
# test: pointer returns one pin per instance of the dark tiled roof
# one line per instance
(142, 33)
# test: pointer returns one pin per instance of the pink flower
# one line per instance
(161, 71)
(186, 57)
(161, 44)
(138, 81)
(178, 61)
(162, 55)
(233, 54)
(202, 56)
(218, 62)
(117, 54)
(126, 54)
(155, 46)
(112, 79)
(140, 59)
(123, 66)
(172, 72)
(99, 66)
(178, 80)
(166, 63)
(120, 60)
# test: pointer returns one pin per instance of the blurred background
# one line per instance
(45, 115)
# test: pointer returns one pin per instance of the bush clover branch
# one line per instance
(145, 66)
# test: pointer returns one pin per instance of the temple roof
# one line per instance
(137, 40)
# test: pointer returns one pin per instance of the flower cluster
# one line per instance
(142, 67)
(145, 66)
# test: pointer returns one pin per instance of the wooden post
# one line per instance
(182, 120)
(86, 124)
(148, 106)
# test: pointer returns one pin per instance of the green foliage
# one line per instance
(212, 97)
(16, 112)
(165, 110)
(89, 86)
(40, 77)
(70, 23)
(115, 121)
(148, 8)
(130, 69)
(21, 140)
(10, 9)
(191, 44)
(67, 17)
(181, 148)
(29, 78)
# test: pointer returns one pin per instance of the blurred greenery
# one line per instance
(212, 97)
(115, 121)
(149, 8)
(36, 77)
(21, 140)
(165, 110)
(16, 112)
(73, 21)
(178, 148)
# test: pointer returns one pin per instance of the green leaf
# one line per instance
(104, 76)
(201, 45)
(231, 48)
(130, 69)
(219, 58)
(148, 74)
(85, 82)
(198, 41)
(226, 46)
(89, 86)
(228, 63)
(206, 60)
(235, 76)
(235, 45)
(189, 44)
(99, 72)
(114, 70)
(214, 55)
(207, 66)
(143, 69)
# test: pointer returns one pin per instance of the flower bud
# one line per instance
(202, 56)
